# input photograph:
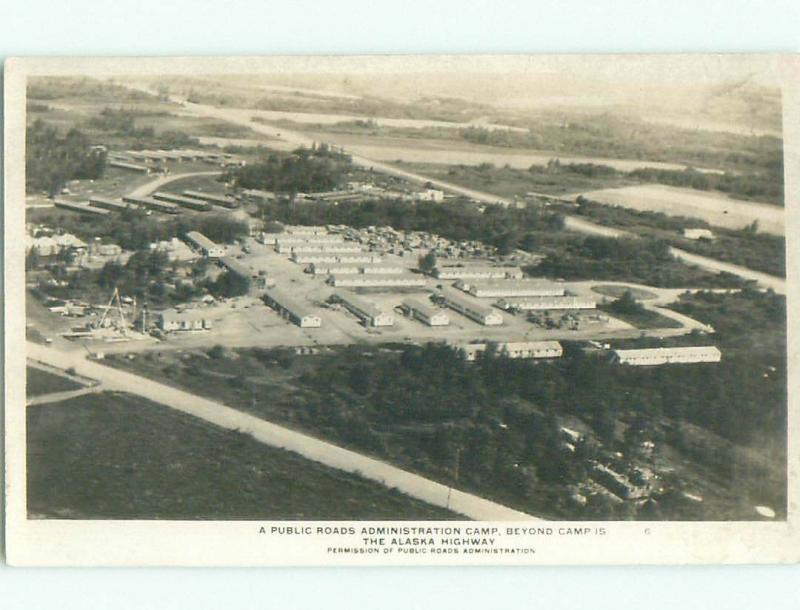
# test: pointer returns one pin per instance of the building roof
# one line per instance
(201, 240)
(456, 298)
(186, 314)
(234, 266)
(531, 345)
(288, 303)
(424, 308)
(356, 301)
(667, 351)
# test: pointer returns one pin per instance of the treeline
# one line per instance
(53, 159)
(766, 186)
(747, 247)
(646, 261)
(504, 228)
(610, 137)
(305, 170)
(135, 230)
(53, 88)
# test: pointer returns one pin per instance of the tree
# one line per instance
(427, 263)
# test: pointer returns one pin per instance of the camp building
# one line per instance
(483, 315)
(172, 320)
(478, 272)
(510, 288)
(198, 241)
(367, 311)
(666, 355)
(545, 303)
(376, 280)
(290, 309)
(425, 312)
(517, 349)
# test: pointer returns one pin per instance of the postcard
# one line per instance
(402, 310)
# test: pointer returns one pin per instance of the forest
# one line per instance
(303, 171)
(645, 261)
(53, 159)
(133, 229)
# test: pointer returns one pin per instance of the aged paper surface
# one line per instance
(443, 310)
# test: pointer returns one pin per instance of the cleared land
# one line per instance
(116, 456)
(715, 209)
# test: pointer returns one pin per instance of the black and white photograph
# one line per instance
(403, 298)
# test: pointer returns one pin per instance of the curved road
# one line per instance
(263, 431)
(145, 189)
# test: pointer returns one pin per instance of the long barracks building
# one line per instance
(322, 258)
(221, 200)
(376, 280)
(666, 355)
(479, 313)
(425, 312)
(152, 204)
(109, 204)
(516, 349)
(290, 309)
(210, 249)
(365, 310)
(186, 202)
(510, 288)
(477, 272)
(544, 303)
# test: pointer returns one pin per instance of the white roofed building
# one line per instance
(667, 355)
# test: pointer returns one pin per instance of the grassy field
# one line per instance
(41, 382)
(617, 291)
(116, 456)
(644, 318)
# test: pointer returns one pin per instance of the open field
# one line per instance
(645, 318)
(115, 456)
(715, 209)
(41, 382)
(612, 290)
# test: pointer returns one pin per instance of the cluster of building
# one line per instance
(172, 320)
(46, 243)
(388, 240)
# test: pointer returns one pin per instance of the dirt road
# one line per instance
(150, 187)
